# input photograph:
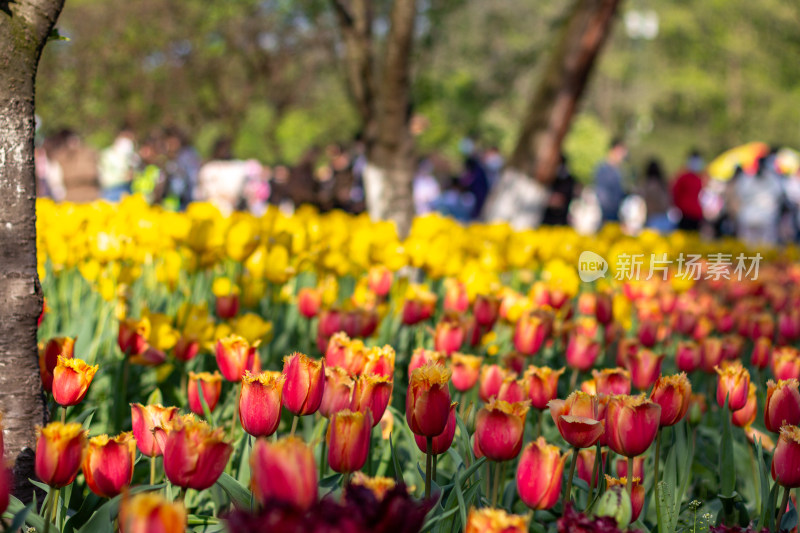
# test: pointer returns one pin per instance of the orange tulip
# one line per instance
(108, 464)
(672, 393)
(284, 471)
(747, 414)
(761, 350)
(379, 280)
(211, 387)
(733, 383)
(348, 440)
(513, 390)
(488, 520)
(578, 419)
(428, 400)
(421, 357)
(542, 385)
(195, 454)
(260, 403)
(48, 358)
(338, 391)
(529, 334)
(631, 424)
(309, 301)
(539, 474)
(71, 380)
(380, 361)
(449, 335)
(711, 354)
(786, 363)
(346, 353)
(149, 512)
(582, 352)
(145, 420)
(378, 486)
(786, 459)
(456, 299)
(59, 453)
(372, 394)
(782, 406)
(466, 370)
(499, 428)
(235, 355)
(304, 385)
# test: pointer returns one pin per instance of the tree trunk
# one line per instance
(24, 29)
(538, 149)
(383, 106)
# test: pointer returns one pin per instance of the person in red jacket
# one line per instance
(686, 193)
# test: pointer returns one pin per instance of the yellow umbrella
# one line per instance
(745, 156)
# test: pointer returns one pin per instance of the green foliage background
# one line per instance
(267, 74)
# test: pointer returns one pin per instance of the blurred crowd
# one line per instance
(759, 203)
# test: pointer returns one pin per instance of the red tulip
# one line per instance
(499, 427)
(542, 385)
(195, 455)
(761, 350)
(422, 357)
(604, 308)
(285, 472)
(309, 301)
(539, 474)
(578, 419)
(330, 322)
(529, 334)
(108, 464)
(346, 353)
(586, 462)
(645, 367)
(786, 459)
(227, 306)
(419, 305)
(688, 356)
(456, 299)
(211, 387)
(145, 420)
(380, 361)
(672, 393)
(441, 442)
(304, 385)
(625, 348)
(48, 358)
(379, 279)
(186, 349)
(513, 390)
(733, 382)
(486, 309)
(132, 336)
(449, 335)
(260, 403)
(648, 332)
(6, 486)
(466, 370)
(59, 452)
(492, 378)
(582, 352)
(782, 406)
(428, 400)
(372, 394)
(747, 414)
(71, 380)
(338, 391)
(631, 424)
(786, 363)
(235, 355)
(349, 440)
(612, 381)
(638, 467)
(711, 354)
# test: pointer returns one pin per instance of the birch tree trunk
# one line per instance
(522, 193)
(24, 28)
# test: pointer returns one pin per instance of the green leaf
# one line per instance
(202, 397)
(155, 398)
(39, 484)
(19, 517)
(398, 472)
(462, 506)
(238, 494)
(90, 503)
(32, 519)
(55, 36)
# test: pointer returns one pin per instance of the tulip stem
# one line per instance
(630, 478)
(655, 478)
(539, 424)
(573, 380)
(497, 480)
(235, 410)
(782, 510)
(572, 465)
(63, 414)
(53, 497)
(322, 459)
(294, 425)
(435, 463)
(152, 469)
(428, 465)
